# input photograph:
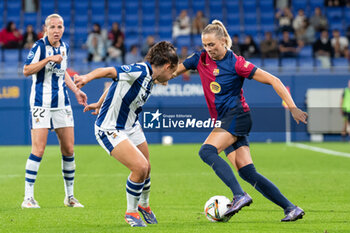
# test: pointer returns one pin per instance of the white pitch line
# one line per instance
(319, 149)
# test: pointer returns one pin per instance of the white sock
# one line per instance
(133, 193)
(68, 172)
(144, 198)
(32, 167)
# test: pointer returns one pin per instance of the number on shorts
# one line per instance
(38, 112)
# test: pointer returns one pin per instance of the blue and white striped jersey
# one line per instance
(48, 87)
(126, 96)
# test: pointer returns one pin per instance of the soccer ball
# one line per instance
(216, 207)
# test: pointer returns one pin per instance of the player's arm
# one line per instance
(96, 106)
(108, 72)
(180, 70)
(81, 96)
(36, 67)
(267, 78)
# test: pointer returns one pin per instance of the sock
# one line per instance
(144, 198)
(68, 172)
(264, 186)
(209, 155)
(133, 193)
(32, 167)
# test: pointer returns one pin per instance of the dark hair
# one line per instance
(8, 26)
(162, 53)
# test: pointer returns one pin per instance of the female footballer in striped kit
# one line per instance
(222, 74)
(50, 107)
(117, 128)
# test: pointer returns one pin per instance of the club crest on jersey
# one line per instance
(30, 55)
(246, 64)
(215, 87)
(126, 68)
(216, 72)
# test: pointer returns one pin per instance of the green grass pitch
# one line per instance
(181, 184)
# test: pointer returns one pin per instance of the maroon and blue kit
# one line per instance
(222, 82)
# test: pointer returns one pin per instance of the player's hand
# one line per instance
(80, 80)
(94, 106)
(299, 115)
(56, 58)
(81, 97)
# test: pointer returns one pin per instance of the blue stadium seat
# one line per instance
(306, 51)
(181, 5)
(197, 41)
(164, 32)
(234, 29)
(215, 9)
(115, 9)
(14, 11)
(148, 30)
(316, 3)
(334, 13)
(250, 19)
(255, 61)
(1, 10)
(12, 55)
(340, 62)
(198, 5)
(289, 63)
(47, 8)
(81, 20)
(299, 4)
(266, 6)
(270, 62)
(182, 41)
(249, 6)
(30, 18)
(306, 63)
(64, 9)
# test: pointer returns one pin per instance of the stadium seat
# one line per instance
(306, 64)
(299, 4)
(340, 62)
(182, 41)
(306, 51)
(215, 9)
(255, 61)
(30, 18)
(270, 62)
(197, 41)
(14, 11)
(289, 63)
(12, 56)
(181, 5)
(198, 5)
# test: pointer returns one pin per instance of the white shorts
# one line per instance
(109, 139)
(51, 118)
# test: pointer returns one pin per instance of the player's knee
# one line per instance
(141, 170)
(67, 151)
(207, 151)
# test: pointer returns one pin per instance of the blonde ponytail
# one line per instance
(220, 31)
(47, 20)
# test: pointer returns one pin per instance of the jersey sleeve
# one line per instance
(129, 72)
(34, 54)
(191, 62)
(244, 68)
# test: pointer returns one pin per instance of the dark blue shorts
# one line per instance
(241, 141)
(238, 123)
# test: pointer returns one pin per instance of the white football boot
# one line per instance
(30, 203)
(72, 202)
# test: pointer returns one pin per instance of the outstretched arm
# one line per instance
(267, 78)
(96, 106)
(180, 70)
(108, 72)
(81, 96)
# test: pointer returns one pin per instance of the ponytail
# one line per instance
(220, 31)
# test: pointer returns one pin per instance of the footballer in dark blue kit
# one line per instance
(222, 75)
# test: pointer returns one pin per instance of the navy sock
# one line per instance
(209, 154)
(264, 186)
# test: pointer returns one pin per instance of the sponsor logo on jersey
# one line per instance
(126, 68)
(215, 87)
(216, 72)
(30, 55)
(246, 64)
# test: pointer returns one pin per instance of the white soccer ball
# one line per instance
(167, 140)
(216, 207)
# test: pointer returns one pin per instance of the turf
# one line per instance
(181, 184)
